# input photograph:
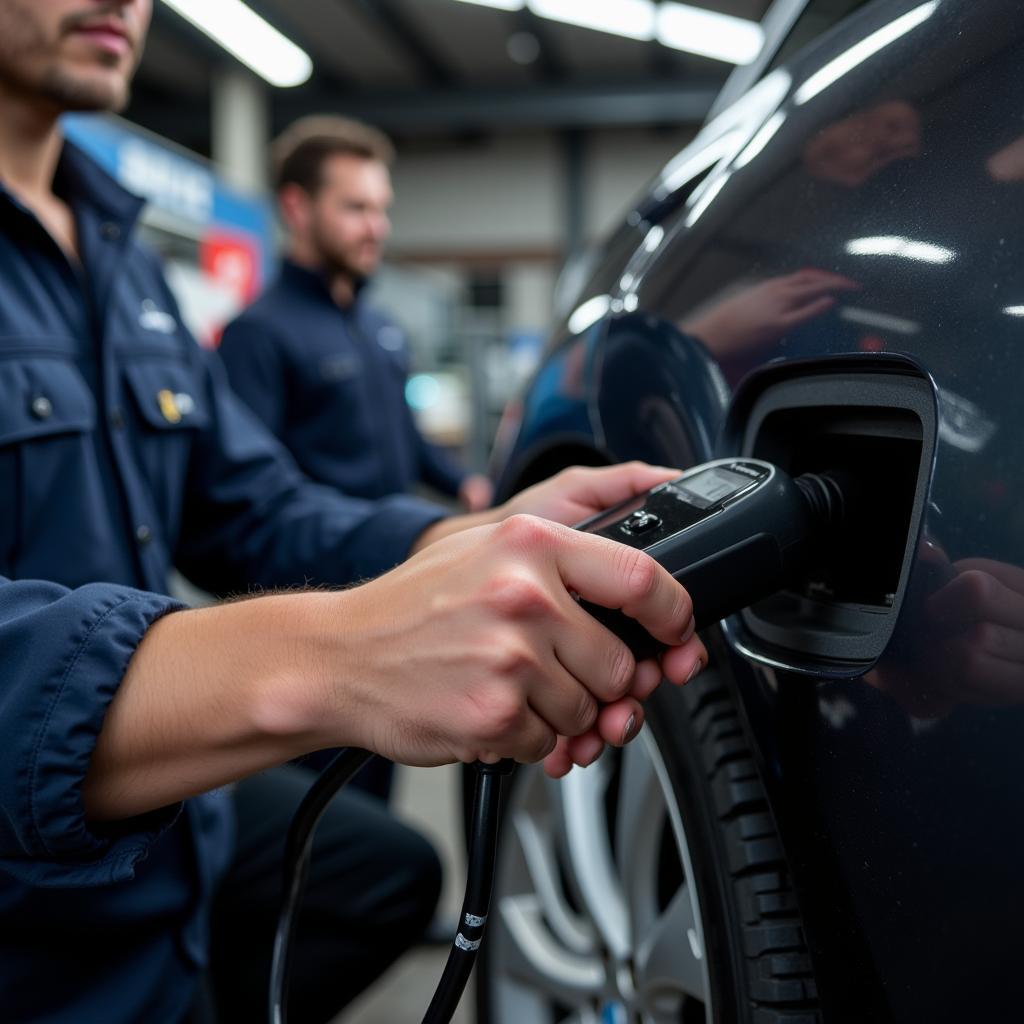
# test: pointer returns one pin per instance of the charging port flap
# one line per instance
(874, 422)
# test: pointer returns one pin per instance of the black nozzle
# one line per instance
(828, 496)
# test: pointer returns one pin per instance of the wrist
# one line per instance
(297, 700)
(454, 524)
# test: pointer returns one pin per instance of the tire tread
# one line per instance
(778, 968)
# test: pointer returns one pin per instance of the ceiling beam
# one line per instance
(567, 105)
(385, 17)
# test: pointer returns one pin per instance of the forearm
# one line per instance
(455, 524)
(216, 694)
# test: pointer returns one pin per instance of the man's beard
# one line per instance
(70, 92)
(337, 264)
(21, 38)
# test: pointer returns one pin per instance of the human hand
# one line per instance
(765, 312)
(475, 649)
(969, 640)
(850, 151)
(576, 494)
(476, 493)
(569, 497)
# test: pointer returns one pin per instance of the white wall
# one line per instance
(507, 194)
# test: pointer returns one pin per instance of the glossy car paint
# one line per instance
(892, 153)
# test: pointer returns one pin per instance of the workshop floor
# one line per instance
(429, 799)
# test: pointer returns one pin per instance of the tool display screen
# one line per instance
(712, 486)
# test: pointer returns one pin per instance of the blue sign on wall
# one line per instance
(172, 180)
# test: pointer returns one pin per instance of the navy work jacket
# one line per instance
(122, 451)
(330, 383)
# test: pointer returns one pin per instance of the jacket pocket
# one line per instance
(42, 397)
(168, 409)
(46, 415)
(166, 394)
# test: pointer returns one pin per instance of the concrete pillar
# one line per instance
(575, 177)
(529, 290)
(241, 128)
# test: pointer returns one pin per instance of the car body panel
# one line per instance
(898, 794)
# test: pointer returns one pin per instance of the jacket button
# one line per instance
(143, 534)
(110, 231)
(116, 418)
(41, 407)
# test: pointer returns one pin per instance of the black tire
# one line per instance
(759, 969)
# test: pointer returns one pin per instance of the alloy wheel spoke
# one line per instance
(532, 957)
(589, 854)
(641, 816)
(670, 958)
(539, 856)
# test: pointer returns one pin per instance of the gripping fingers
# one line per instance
(594, 655)
(680, 664)
(617, 576)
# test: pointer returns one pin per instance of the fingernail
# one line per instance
(689, 631)
(630, 730)
(698, 665)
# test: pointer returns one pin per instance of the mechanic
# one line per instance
(315, 361)
(324, 370)
(122, 715)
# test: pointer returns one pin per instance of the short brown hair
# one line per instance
(298, 153)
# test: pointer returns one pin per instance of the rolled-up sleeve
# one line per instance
(63, 654)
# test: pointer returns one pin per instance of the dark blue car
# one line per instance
(828, 824)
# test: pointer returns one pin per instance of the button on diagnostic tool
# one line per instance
(640, 522)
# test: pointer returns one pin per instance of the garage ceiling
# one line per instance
(436, 67)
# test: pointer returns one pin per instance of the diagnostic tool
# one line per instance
(731, 531)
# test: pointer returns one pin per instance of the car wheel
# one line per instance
(649, 887)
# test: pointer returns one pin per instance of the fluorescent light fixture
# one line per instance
(653, 238)
(1014, 310)
(688, 165)
(634, 19)
(760, 140)
(867, 47)
(589, 313)
(883, 321)
(709, 33)
(502, 5)
(244, 34)
(704, 199)
(896, 245)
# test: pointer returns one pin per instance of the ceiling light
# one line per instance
(1014, 310)
(882, 321)
(634, 19)
(765, 135)
(896, 245)
(867, 47)
(243, 33)
(502, 5)
(587, 314)
(709, 33)
(701, 199)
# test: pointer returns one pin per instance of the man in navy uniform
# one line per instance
(124, 718)
(311, 357)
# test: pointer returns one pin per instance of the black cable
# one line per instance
(296, 867)
(483, 843)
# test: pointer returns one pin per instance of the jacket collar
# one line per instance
(315, 282)
(78, 179)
